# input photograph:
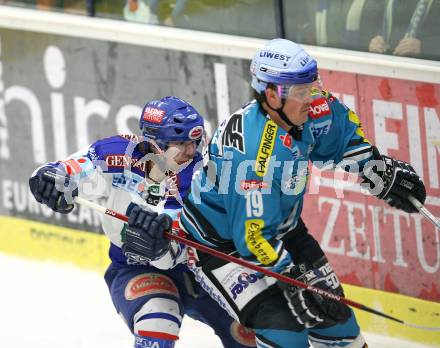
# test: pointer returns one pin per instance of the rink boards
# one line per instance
(67, 80)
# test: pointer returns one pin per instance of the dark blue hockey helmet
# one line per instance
(171, 119)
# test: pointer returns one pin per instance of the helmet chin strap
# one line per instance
(295, 131)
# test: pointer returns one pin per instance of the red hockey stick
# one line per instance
(247, 264)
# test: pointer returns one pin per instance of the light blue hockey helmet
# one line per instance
(282, 62)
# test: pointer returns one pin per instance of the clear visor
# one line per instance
(298, 92)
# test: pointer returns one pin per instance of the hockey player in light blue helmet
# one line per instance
(283, 124)
(284, 69)
(247, 201)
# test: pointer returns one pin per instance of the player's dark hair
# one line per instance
(261, 97)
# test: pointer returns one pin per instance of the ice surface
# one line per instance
(49, 305)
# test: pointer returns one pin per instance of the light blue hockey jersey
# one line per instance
(250, 191)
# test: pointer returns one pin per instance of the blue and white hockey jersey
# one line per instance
(250, 191)
(113, 170)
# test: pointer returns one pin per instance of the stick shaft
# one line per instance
(243, 263)
(424, 211)
(270, 273)
(101, 209)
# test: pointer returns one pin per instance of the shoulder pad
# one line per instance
(117, 152)
(131, 137)
(230, 133)
(113, 145)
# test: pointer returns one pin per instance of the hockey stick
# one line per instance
(247, 264)
(424, 211)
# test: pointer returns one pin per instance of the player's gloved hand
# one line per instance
(399, 181)
(144, 237)
(309, 308)
(50, 186)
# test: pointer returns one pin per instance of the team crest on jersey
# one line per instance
(233, 133)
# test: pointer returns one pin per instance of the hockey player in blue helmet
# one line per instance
(151, 294)
(248, 197)
(286, 69)
(172, 130)
(170, 122)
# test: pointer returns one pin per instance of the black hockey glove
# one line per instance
(144, 237)
(394, 181)
(53, 187)
(309, 308)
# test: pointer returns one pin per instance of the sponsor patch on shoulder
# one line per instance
(132, 137)
(149, 284)
(319, 108)
(267, 144)
(154, 115)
